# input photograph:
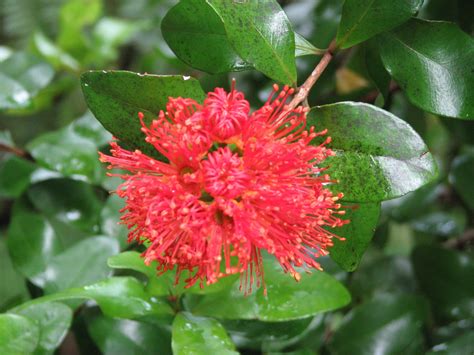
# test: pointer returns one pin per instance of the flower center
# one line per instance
(224, 175)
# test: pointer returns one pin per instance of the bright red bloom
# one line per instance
(235, 183)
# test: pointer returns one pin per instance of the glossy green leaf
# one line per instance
(375, 68)
(462, 177)
(378, 156)
(79, 265)
(12, 288)
(116, 97)
(32, 243)
(358, 234)
(443, 276)
(272, 336)
(53, 319)
(124, 336)
(287, 299)
(197, 36)
(68, 153)
(121, 297)
(462, 345)
(269, 40)
(363, 19)
(383, 275)
(18, 335)
(429, 61)
(15, 174)
(70, 201)
(385, 325)
(446, 223)
(89, 128)
(22, 77)
(200, 335)
(131, 260)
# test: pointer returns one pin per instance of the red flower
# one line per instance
(235, 183)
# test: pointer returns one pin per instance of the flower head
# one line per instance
(234, 183)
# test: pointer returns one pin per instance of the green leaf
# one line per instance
(79, 265)
(447, 223)
(15, 176)
(375, 68)
(358, 233)
(70, 201)
(462, 176)
(131, 260)
(443, 276)
(268, 41)
(53, 319)
(68, 153)
(58, 58)
(378, 156)
(121, 297)
(462, 345)
(18, 335)
(385, 325)
(383, 275)
(197, 36)
(363, 19)
(22, 77)
(116, 97)
(287, 299)
(200, 336)
(304, 47)
(429, 61)
(123, 336)
(12, 288)
(89, 128)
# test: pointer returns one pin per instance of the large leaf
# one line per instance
(385, 325)
(358, 233)
(378, 156)
(362, 19)
(124, 336)
(121, 297)
(199, 335)
(430, 62)
(287, 299)
(444, 277)
(268, 41)
(22, 77)
(18, 335)
(53, 319)
(196, 34)
(116, 97)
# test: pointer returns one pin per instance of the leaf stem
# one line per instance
(303, 91)
(16, 151)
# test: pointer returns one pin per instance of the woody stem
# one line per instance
(303, 90)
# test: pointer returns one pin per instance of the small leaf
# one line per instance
(121, 297)
(196, 34)
(397, 329)
(304, 47)
(268, 41)
(58, 58)
(18, 335)
(430, 61)
(53, 319)
(358, 234)
(124, 336)
(287, 299)
(199, 335)
(378, 156)
(15, 176)
(462, 176)
(443, 276)
(362, 19)
(22, 77)
(116, 97)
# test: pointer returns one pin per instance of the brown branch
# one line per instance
(462, 242)
(17, 151)
(303, 91)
